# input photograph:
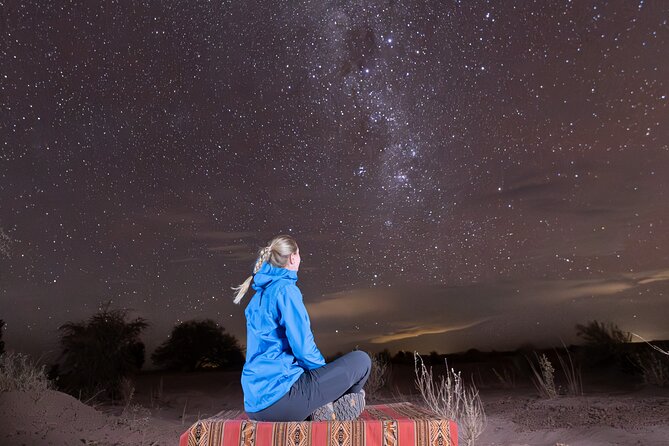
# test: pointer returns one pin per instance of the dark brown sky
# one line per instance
(457, 174)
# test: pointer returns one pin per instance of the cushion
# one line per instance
(398, 424)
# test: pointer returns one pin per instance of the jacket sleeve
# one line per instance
(295, 320)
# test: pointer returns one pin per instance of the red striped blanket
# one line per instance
(400, 424)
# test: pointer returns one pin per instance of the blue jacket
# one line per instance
(279, 342)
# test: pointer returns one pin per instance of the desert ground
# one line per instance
(613, 411)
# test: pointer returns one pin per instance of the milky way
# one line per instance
(516, 153)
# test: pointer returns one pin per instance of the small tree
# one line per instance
(99, 353)
(195, 345)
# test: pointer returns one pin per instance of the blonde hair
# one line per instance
(276, 253)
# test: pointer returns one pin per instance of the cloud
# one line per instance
(651, 276)
(505, 313)
(346, 304)
(385, 315)
(415, 332)
(529, 184)
(575, 289)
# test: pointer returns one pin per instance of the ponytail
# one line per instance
(242, 289)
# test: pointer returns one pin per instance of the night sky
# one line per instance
(457, 174)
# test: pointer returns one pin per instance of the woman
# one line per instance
(285, 377)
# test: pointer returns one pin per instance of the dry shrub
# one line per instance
(451, 398)
(18, 372)
(654, 368)
(134, 416)
(99, 352)
(378, 376)
(544, 376)
(606, 345)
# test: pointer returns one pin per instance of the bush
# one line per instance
(606, 345)
(654, 364)
(99, 353)
(601, 334)
(18, 372)
(195, 345)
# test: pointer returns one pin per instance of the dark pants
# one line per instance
(318, 387)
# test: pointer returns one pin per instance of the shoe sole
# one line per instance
(324, 413)
(349, 406)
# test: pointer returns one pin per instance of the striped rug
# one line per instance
(399, 424)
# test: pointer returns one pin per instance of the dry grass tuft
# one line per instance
(572, 373)
(138, 419)
(507, 378)
(126, 390)
(19, 373)
(157, 398)
(654, 368)
(452, 399)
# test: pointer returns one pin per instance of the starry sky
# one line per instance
(457, 174)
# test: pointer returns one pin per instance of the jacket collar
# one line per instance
(268, 274)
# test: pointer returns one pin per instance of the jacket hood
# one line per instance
(268, 274)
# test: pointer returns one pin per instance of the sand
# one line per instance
(632, 418)
(629, 416)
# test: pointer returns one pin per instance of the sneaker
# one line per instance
(324, 413)
(349, 406)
